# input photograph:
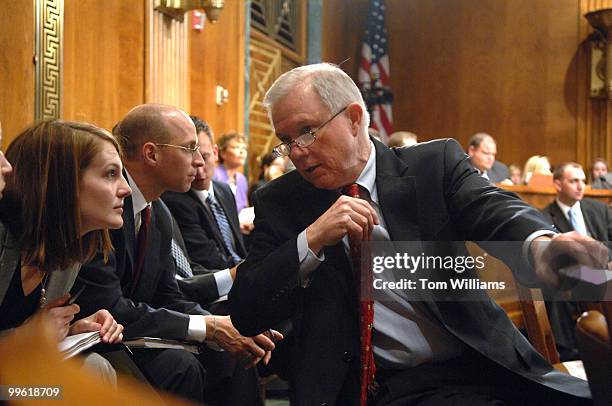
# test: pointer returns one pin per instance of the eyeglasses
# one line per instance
(303, 140)
(193, 150)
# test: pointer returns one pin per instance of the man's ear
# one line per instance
(216, 152)
(149, 153)
(355, 112)
(557, 185)
(471, 150)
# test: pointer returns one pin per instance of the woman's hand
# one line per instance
(61, 315)
(110, 331)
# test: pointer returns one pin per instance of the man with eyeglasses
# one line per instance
(306, 233)
(137, 282)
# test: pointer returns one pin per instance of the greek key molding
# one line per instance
(49, 58)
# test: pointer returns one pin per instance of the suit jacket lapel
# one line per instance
(591, 227)
(230, 219)
(212, 222)
(396, 195)
(559, 219)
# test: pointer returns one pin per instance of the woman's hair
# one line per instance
(41, 200)
(226, 139)
(596, 161)
(536, 164)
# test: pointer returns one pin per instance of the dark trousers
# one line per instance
(469, 380)
(228, 383)
(175, 371)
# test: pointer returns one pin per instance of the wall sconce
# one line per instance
(601, 53)
(177, 8)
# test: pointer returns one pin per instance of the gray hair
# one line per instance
(335, 88)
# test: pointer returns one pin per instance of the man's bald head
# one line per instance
(150, 122)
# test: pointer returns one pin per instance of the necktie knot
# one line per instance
(356, 190)
(145, 216)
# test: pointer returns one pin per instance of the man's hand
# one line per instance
(246, 228)
(222, 332)
(565, 250)
(102, 321)
(347, 215)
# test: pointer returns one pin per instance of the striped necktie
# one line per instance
(361, 256)
(224, 228)
(180, 260)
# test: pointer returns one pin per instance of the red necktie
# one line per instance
(366, 304)
(141, 241)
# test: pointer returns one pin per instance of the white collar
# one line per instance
(565, 208)
(203, 194)
(138, 200)
(367, 178)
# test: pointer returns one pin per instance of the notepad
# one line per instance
(77, 343)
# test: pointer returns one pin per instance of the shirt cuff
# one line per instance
(527, 244)
(224, 281)
(309, 261)
(197, 328)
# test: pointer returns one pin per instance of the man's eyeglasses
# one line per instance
(193, 150)
(303, 140)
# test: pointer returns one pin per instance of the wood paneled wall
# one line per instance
(103, 59)
(517, 69)
(16, 67)
(218, 58)
(108, 68)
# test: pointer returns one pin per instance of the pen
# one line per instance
(76, 295)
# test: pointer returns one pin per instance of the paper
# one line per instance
(75, 344)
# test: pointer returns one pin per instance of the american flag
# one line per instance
(374, 71)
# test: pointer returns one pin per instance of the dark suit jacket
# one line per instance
(202, 237)
(597, 216)
(202, 286)
(157, 308)
(428, 192)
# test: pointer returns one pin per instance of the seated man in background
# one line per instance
(137, 283)
(571, 211)
(206, 214)
(482, 149)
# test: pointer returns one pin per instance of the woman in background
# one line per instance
(272, 166)
(232, 156)
(536, 165)
(66, 189)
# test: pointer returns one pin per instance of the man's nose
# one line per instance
(198, 159)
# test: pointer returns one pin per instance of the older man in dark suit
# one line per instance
(571, 211)
(427, 352)
(137, 283)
